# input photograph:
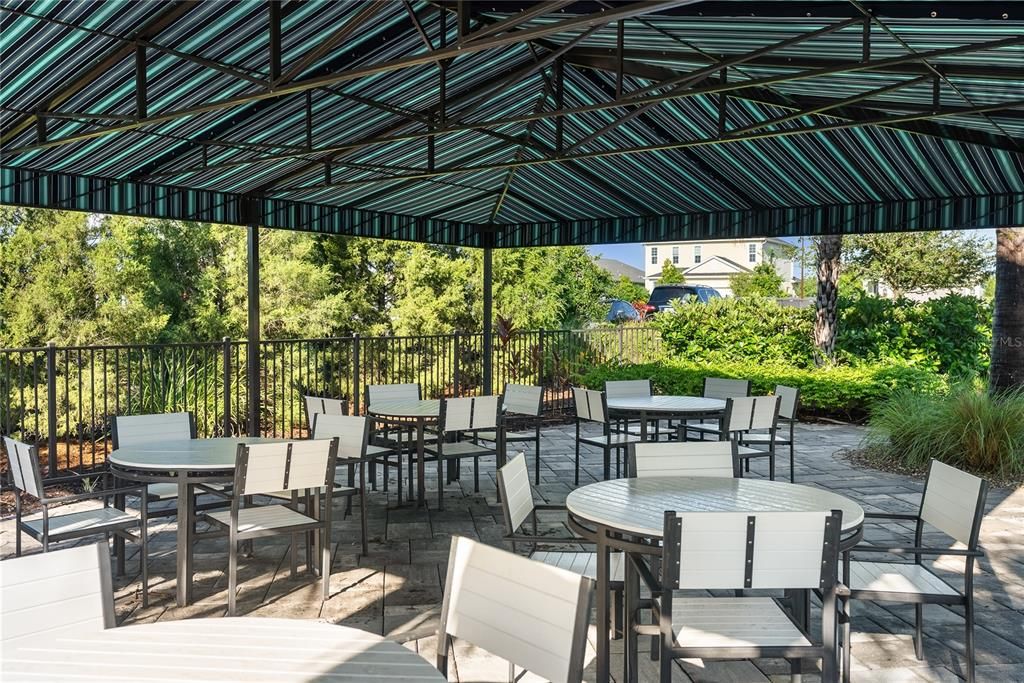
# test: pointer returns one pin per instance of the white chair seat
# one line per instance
(757, 437)
(897, 577)
(706, 428)
(97, 519)
(733, 622)
(611, 439)
(263, 518)
(462, 449)
(747, 450)
(584, 563)
(169, 491)
(377, 451)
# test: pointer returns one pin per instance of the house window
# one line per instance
(752, 252)
(696, 253)
(654, 256)
(675, 255)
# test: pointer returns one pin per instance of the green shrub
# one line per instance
(966, 427)
(951, 335)
(847, 392)
(739, 330)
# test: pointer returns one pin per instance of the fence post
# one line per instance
(456, 363)
(51, 407)
(226, 369)
(542, 362)
(356, 375)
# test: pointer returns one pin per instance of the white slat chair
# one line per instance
(522, 404)
(793, 551)
(322, 405)
(462, 417)
(353, 434)
(592, 406)
(127, 431)
(632, 388)
(393, 438)
(50, 594)
(723, 389)
(519, 505)
(684, 459)
(749, 415)
(48, 528)
(297, 467)
(529, 613)
(789, 404)
(954, 503)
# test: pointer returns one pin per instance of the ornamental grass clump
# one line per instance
(966, 427)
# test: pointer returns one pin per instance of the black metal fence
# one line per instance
(62, 398)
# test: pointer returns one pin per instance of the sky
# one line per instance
(632, 253)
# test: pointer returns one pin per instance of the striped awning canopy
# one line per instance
(519, 123)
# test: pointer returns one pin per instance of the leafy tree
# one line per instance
(670, 275)
(1006, 371)
(919, 262)
(627, 290)
(762, 281)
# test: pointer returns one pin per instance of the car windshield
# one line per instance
(662, 295)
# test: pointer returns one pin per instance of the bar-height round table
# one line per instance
(415, 414)
(644, 408)
(622, 513)
(230, 649)
(185, 462)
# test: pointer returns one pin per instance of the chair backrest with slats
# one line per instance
(532, 614)
(747, 413)
(683, 459)
(288, 466)
(523, 399)
(516, 493)
(590, 404)
(321, 405)
(392, 392)
(723, 388)
(470, 413)
(352, 432)
(954, 502)
(789, 401)
(628, 388)
(138, 430)
(50, 594)
(24, 464)
(763, 550)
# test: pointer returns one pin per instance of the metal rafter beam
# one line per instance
(366, 12)
(171, 12)
(728, 139)
(642, 56)
(491, 42)
(536, 10)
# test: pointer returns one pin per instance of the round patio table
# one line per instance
(185, 462)
(619, 513)
(410, 413)
(230, 649)
(644, 408)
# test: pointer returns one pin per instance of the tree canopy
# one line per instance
(763, 281)
(670, 275)
(89, 279)
(919, 262)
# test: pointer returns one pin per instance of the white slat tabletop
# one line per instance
(239, 649)
(638, 506)
(681, 405)
(191, 454)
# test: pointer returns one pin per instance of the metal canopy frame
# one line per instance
(521, 124)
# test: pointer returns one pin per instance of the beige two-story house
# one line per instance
(712, 263)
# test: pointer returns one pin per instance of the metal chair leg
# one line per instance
(969, 639)
(232, 575)
(919, 631)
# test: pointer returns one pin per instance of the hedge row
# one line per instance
(845, 392)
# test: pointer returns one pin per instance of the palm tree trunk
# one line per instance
(1007, 368)
(826, 302)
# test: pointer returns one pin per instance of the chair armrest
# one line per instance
(842, 590)
(94, 495)
(909, 550)
(890, 515)
(75, 477)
